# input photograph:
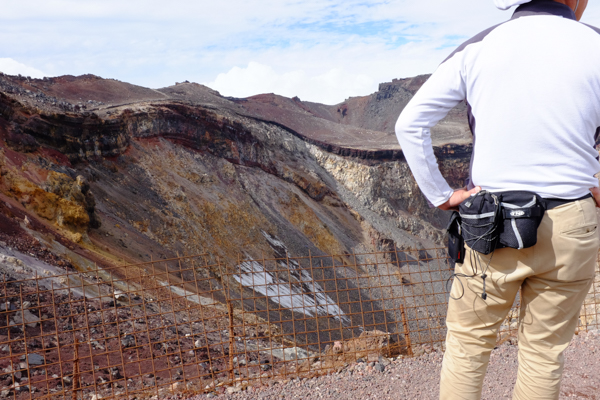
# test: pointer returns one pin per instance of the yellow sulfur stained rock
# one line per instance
(50, 206)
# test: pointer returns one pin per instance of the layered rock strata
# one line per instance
(110, 173)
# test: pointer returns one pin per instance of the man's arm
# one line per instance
(444, 90)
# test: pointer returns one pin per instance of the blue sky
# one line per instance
(319, 50)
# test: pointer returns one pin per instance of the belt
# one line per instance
(552, 203)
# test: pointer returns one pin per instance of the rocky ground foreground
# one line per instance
(418, 378)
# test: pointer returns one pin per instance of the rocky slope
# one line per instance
(185, 168)
(101, 172)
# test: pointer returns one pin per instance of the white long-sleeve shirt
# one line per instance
(533, 89)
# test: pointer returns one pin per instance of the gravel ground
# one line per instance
(418, 378)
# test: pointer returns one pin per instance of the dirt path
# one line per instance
(418, 378)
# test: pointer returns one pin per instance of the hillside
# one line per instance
(183, 169)
(98, 175)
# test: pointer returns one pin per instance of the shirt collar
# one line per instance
(544, 7)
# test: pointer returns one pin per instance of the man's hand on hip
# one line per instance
(596, 193)
(461, 195)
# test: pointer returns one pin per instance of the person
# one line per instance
(532, 86)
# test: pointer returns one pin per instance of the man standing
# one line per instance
(532, 85)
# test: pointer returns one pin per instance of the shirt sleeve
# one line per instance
(444, 90)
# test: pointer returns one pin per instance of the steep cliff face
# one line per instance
(185, 170)
(129, 174)
(387, 189)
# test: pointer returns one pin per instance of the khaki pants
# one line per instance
(554, 275)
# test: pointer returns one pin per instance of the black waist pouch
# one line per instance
(522, 213)
(456, 244)
(480, 217)
(490, 221)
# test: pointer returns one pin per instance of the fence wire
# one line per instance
(196, 325)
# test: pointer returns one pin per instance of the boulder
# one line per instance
(35, 359)
(26, 317)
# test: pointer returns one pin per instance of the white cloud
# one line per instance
(12, 67)
(320, 50)
(324, 73)
(330, 87)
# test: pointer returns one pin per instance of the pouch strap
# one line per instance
(454, 219)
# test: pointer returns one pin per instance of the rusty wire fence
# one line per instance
(197, 325)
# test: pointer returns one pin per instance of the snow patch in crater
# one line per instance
(305, 296)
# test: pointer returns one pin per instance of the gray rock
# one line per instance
(379, 367)
(293, 353)
(115, 373)
(128, 341)
(35, 359)
(231, 390)
(26, 317)
(120, 296)
(97, 345)
(4, 306)
(265, 367)
(290, 353)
